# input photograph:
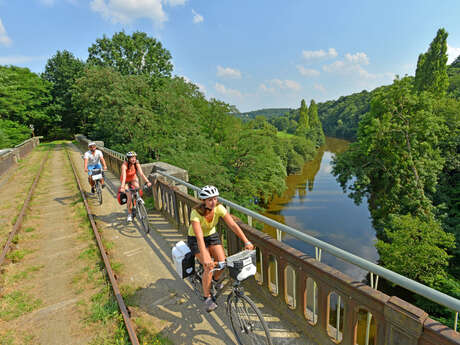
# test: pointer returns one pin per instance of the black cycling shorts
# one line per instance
(210, 240)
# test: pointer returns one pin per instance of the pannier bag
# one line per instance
(242, 265)
(184, 261)
(121, 197)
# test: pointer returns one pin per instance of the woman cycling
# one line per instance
(129, 170)
(204, 241)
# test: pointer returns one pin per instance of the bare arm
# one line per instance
(86, 164)
(103, 163)
(237, 230)
(139, 169)
(123, 177)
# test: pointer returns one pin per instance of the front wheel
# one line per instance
(143, 216)
(247, 321)
(99, 192)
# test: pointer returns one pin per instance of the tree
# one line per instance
(416, 248)
(303, 119)
(25, 98)
(396, 158)
(12, 133)
(315, 133)
(61, 71)
(136, 54)
(431, 73)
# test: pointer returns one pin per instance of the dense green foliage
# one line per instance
(268, 113)
(431, 74)
(340, 117)
(137, 54)
(423, 242)
(25, 99)
(61, 71)
(176, 124)
(302, 122)
(12, 133)
(405, 163)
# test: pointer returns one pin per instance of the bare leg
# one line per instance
(206, 276)
(217, 252)
(129, 196)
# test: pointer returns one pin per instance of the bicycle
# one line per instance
(138, 208)
(96, 176)
(246, 320)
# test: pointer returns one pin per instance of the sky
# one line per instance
(253, 54)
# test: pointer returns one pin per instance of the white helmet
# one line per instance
(208, 192)
(91, 143)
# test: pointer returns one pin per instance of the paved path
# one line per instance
(159, 295)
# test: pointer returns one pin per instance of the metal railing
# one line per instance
(423, 290)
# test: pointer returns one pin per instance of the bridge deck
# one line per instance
(156, 294)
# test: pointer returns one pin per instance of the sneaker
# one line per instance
(210, 305)
(130, 218)
(93, 190)
(218, 284)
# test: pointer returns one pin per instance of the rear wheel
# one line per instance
(247, 322)
(143, 216)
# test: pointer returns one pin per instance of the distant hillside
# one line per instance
(340, 117)
(268, 113)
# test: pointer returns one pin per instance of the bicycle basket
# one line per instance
(96, 174)
(242, 265)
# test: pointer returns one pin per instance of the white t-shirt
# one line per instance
(93, 159)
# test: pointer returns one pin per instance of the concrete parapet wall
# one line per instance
(290, 280)
(10, 157)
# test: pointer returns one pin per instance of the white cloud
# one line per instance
(18, 59)
(318, 54)
(358, 58)
(352, 64)
(307, 72)
(175, 2)
(197, 18)
(452, 54)
(4, 39)
(265, 88)
(319, 87)
(125, 11)
(227, 72)
(227, 92)
(278, 84)
(200, 86)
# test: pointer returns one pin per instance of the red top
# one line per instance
(130, 172)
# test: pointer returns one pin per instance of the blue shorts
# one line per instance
(95, 166)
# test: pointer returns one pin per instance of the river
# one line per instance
(314, 203)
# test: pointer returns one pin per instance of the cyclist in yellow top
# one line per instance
(204, 241)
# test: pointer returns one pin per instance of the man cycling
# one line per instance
(129, 170)
(93, 159)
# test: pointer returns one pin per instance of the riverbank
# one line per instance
(315, 203)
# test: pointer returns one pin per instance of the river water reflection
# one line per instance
(315, 204)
